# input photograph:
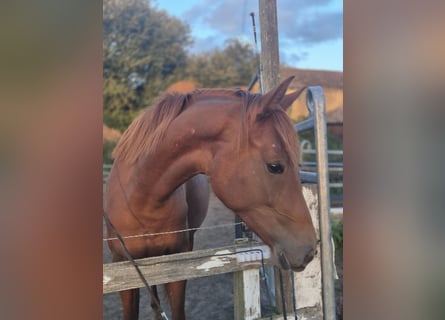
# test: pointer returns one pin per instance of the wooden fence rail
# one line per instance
(120, 276)
(243, 260)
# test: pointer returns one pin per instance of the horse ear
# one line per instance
(274, 97)
(288, 99)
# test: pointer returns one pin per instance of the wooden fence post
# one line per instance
(270, 66)
(246, 294)
(270, 60)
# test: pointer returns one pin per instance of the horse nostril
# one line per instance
(310, 256)
(315, 252)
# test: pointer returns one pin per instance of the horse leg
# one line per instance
(130, 304)
(176, 297)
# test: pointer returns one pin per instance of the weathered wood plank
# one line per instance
(246, 294)
(270, 57)
(189, 265)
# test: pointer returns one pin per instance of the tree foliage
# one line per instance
(232, 66)
(143, 52)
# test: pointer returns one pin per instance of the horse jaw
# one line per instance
(290, 250)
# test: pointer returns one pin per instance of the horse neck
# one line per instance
(188, 148)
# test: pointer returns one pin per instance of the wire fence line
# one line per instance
(177, 231)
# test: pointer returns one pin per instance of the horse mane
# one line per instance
(148, 129)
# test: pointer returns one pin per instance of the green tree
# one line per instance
(143, 52)
(233, 66)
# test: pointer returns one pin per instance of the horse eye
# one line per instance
(275, 168)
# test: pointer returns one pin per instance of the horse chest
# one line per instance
(164, 232)
(158, 245)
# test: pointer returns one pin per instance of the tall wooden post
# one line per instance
(270, 72)
(246, 294)
(270, 60)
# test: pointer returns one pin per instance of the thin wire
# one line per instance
(257, 51)
(176, 231)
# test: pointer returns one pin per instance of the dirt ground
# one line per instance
(208, 297)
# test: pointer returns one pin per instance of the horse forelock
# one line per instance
(252, 113)
(287, 135)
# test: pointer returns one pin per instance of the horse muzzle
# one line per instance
(296, 264)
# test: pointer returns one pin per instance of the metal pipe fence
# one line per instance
(316, 103)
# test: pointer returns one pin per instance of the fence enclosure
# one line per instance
(243, 260)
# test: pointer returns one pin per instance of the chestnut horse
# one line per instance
(244, 142)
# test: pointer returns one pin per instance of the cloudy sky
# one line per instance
(310, 31)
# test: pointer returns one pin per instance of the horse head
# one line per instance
(259, 179)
